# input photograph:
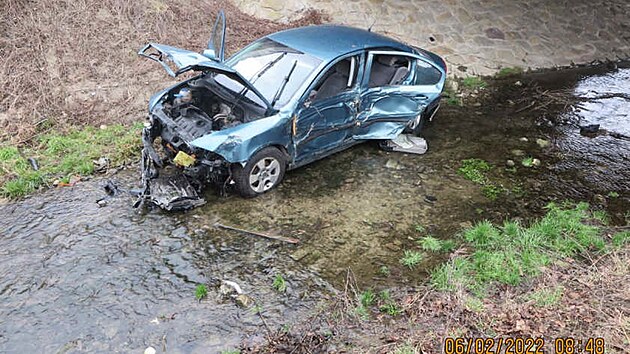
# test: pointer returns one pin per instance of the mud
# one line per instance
(76, 277)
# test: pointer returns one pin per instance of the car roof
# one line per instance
(327, 42)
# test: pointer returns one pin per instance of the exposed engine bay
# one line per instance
(182, 115)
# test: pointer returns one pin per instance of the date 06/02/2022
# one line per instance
(510, 345)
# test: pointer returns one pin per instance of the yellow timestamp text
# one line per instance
(525, 345)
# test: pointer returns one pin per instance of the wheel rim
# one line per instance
(264, 175)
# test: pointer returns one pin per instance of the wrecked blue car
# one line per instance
(283, 101)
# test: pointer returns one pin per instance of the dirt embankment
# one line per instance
(71, 63)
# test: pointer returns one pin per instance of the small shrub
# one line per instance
(384, 271)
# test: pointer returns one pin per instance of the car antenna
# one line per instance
(372, 25)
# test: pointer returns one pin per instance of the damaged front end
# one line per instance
(174, 174)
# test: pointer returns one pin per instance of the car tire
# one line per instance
(263, 172)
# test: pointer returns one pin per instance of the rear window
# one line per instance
(427, 74)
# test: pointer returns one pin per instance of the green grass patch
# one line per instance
(509, 71)
(62, 155)
(528, 161)
(474, 82)
(546, 297)
(367, 298)
(511, 252)
(430, 243)
(621, 238)
(475, 170)
(279, 284)
(201, 291)
(411, 259)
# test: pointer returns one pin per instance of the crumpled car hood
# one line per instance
(185, 60)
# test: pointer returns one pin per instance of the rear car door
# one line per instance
(396, 89)
(326, 115)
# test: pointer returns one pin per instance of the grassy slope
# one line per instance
(564, 275)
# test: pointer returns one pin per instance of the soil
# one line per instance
(66, 64)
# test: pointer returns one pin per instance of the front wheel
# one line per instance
(261, 173)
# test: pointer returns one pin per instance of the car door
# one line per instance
(216, 43)
(325, 116)
(391, 95)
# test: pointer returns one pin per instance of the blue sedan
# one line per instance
(283, 101)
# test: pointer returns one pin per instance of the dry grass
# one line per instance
(594, 301)
(67, 63)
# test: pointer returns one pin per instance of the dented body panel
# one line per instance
(306, 92)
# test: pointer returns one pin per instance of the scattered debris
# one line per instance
(406, 143)
(228, 287)
(34, 164)
(254, 233)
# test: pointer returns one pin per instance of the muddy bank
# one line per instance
(84, 278)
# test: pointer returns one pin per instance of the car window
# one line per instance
(267, 64)
(388, 70)
(339, 78)
(426, 74)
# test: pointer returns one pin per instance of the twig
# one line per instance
(254, 233)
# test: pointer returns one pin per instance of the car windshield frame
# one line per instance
(266, 64)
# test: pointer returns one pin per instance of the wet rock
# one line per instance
(517, 152)
(394, 165)
(589, 129)
(244, 301)
(542, 143)
(299, 254)
(510, 163)
(101, 165)
(494, 33)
